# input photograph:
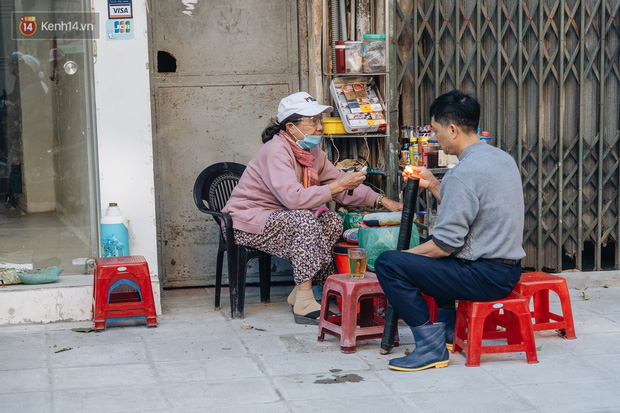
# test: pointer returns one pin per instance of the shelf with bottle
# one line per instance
(343, 48)
(353, 135)
(333, 74)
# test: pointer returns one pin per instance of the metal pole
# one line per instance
(500, 106)
(457, 51)
(391, 79)
(520, 129)
(416, 70)
(437, 39)
(539, 160)
(582, 40)
(478, 53)
(601, 144)
(561, 139)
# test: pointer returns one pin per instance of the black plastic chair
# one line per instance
(211, 192)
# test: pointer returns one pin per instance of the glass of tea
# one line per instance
(357, 262)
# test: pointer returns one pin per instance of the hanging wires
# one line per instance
(367, 148)
(331, 138)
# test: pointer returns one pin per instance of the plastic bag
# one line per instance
(380, 239)
(351, 219)
(47, 275)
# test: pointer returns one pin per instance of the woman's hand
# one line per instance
(350, 180)
(392, 206)
(426, 177)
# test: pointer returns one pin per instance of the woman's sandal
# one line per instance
(312, 318)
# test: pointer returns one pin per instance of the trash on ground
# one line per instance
(85, 330)
(246, 326)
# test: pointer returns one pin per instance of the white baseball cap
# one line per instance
(300, 103)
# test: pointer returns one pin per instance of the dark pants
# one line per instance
(404, 276)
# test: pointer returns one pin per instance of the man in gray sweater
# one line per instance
(476, 248)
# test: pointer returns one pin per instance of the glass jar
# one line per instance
(353, 55)
(374, 53)
(432, 149)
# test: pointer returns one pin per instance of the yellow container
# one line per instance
(333, 126)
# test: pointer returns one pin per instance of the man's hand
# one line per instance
(429, 249)
(426, 177)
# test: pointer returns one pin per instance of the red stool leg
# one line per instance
(460, 329)
(541, 306)
(527, 335)
(348, 323)
(567, 313)
(474, 339)
(327, 293)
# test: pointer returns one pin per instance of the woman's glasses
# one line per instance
(314, 120)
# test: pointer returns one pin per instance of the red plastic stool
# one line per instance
(537, 285)
(470, 328)
(122, 273)
(351, 326)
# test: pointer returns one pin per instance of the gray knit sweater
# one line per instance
(482, 211)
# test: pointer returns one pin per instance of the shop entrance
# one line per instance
(47, 173)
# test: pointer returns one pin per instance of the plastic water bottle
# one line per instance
(114, 233)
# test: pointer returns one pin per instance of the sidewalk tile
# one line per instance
(212, 394)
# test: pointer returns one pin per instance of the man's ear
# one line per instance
(454, 129)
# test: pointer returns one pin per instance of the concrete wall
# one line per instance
(123, 113)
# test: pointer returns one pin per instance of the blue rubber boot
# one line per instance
(447, 315)
(430, 349)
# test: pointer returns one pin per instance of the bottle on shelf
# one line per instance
(424, 134)
(413, 145)
(341, 66)
(405, 156)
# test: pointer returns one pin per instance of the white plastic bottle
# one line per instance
(114, 233)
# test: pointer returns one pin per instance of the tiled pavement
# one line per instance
(198, 359)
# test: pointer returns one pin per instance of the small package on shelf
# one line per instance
(359, 104)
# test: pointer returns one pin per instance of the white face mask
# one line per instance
(309, 141)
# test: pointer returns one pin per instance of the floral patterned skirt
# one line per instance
(302, 238)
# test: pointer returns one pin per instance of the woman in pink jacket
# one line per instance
(274, 206)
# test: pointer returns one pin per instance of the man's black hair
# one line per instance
(458, 108)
